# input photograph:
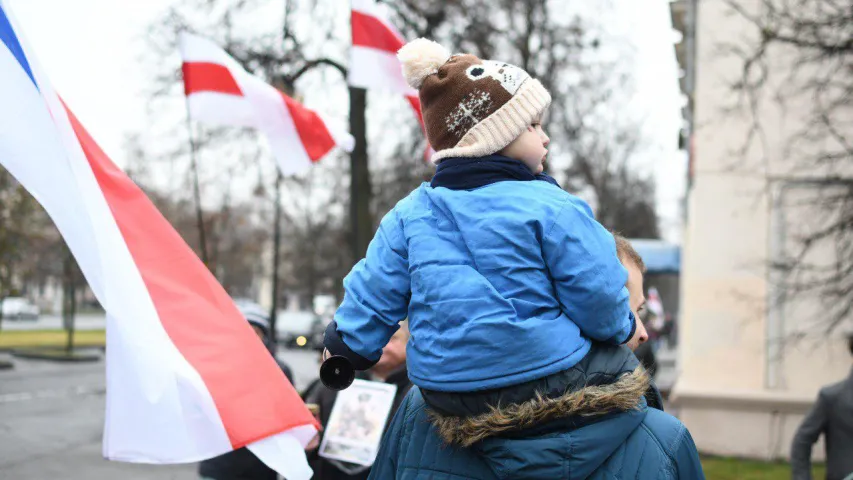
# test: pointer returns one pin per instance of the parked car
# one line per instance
(19, 308)
(301, 329)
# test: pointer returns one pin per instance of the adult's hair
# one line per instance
(627, 253)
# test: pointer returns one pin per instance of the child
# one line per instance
(505, 278)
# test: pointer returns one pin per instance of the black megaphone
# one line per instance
(337, 373)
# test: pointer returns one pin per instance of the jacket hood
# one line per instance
(625, 394)
(570, 454)
(568, 436)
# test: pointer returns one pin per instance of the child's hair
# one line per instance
(626, 251)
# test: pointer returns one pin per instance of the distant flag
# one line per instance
(187, 379)
(373, 56)
(220, 92)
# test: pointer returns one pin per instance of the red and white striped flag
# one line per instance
(373, 56)
(220, 92)
(187, 379)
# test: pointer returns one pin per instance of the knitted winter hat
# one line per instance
(471, 107)
(254, 314)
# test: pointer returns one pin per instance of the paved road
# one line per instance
(51, 420)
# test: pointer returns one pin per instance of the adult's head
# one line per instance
(394, 354)
(259, 319)
(632, 262)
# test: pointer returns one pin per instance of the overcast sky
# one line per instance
(90, 50)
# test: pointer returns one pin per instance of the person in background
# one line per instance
(832, 417)
(391, 368)
(632, 261)
(241, 464)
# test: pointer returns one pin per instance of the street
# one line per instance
(51, 421)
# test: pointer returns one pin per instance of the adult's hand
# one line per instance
(313, 444)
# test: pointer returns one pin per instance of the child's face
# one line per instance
(529, 148)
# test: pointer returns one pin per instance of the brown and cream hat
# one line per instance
(471, 107)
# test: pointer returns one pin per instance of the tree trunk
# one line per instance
(69, 299)
(361, 221)
(202, 240)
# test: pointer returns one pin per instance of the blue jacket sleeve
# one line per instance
(588, 277)
(376, 298)
(686, 458)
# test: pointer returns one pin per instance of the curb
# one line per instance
(57, 356)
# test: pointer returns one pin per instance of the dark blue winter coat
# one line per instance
(482, 273)
(603, 431)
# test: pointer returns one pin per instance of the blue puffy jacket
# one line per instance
(482, 274)
(603, 431)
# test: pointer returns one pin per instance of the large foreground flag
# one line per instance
(187, 379)
(220, 92)
(373, 56)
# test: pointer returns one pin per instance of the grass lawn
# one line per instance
(50, 338)
(735, 469)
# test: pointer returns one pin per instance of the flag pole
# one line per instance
(196, 191)
(279, 83)
(276, 257)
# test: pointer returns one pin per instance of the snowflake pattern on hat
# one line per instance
(473, 108)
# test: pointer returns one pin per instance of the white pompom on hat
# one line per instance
(421, 58)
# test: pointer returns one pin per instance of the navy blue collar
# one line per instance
(459, 173)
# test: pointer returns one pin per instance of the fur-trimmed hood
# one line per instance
(625, 394)
(596, 427)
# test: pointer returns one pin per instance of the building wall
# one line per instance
(742, 390)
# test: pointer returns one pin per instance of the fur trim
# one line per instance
(421, 58)
(622, 395)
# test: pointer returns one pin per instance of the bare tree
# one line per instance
(350, 196)
(284, 57)
(316, 257)
(31, 249)
(586, 121)
(19, 225)
(801, 56)
(624, 199)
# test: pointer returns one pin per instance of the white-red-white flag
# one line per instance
(220, 92)
(187, 379)
(373, 56)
